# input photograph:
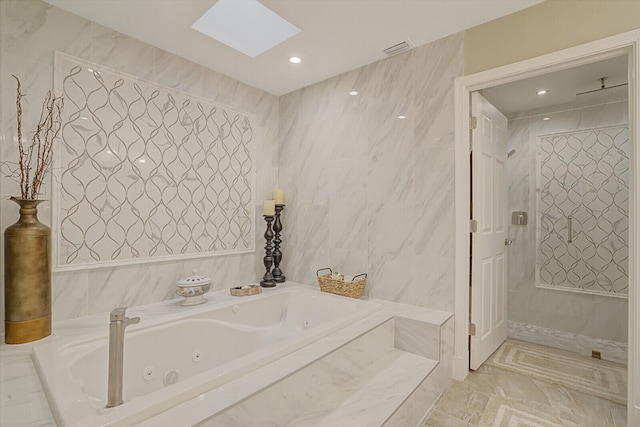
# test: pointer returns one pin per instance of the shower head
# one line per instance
(511, 153)
(602, 95)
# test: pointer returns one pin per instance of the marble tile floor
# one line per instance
(533, 402)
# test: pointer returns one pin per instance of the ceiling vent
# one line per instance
(403, 46)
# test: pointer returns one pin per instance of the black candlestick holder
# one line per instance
(267, 280)
(277, 254)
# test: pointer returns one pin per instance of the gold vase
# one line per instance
(27, 276)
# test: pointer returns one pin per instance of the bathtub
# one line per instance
(177, 353)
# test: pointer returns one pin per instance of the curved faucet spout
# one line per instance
(118, 322)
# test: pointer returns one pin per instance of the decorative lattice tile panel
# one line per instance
(583, 181)
(147, 173)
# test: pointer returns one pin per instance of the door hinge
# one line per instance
(473, 123)
(472, 329)
(473, 225)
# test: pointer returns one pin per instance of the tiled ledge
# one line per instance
(370, 399)
(363, 383)
(23, 402)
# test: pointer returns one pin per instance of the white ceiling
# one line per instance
(562, 86)
(337, 35)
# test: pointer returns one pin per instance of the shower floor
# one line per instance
(613, 351)
(493, 394)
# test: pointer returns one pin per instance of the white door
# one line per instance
(488, 250)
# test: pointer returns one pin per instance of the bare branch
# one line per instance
(40, 150)
(23, 178)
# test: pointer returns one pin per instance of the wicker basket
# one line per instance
(351, 289)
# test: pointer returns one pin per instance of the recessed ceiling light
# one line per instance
(353, 93)
(295, 60)
(542, 92)
(546, 118)
(402, 117)
(246, 26)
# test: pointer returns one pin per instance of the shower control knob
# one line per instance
(508, 242)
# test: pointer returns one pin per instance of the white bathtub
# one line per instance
(186, 351)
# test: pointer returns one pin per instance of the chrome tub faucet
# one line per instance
(117, 323)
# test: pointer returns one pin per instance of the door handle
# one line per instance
(508, 242)
(569, 229)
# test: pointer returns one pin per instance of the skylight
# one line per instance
(245, 25)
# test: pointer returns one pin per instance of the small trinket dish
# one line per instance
(246, 290)
(193, 288)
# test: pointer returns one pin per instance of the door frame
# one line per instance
(626, 43)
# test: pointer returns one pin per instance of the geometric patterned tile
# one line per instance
(583, 215)
(507, 413)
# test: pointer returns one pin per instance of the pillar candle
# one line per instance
(278, 196)
(269, 207)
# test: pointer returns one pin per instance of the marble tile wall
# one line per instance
(367, 191)
(30, 32)
(592, 316)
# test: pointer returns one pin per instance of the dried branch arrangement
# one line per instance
(35, 159)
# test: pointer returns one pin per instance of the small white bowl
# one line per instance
(193, 288)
